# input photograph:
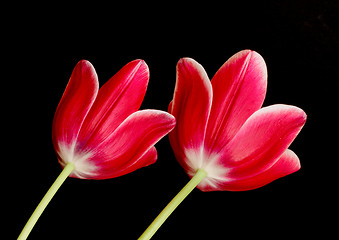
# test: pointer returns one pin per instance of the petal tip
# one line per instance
(84, 63)
(139, 64)
(171, 120)
(295, 111)
(183, 62)
(292, 160)
(252, 56)
(142, 66)
(195, 70)
(299, 113)
(139, 61)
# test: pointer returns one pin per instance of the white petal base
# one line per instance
(83, 168)
(198, 158)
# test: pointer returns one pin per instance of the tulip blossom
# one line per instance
(223, 139)
(222, 129)
(100, 134)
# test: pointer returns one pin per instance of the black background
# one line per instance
(299, 42)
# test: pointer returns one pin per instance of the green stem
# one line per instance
(44, 202)
(166, 212)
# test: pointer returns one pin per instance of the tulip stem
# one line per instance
(166, 212)
(45, 200)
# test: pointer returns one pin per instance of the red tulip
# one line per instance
(101, 132)
(222, 129)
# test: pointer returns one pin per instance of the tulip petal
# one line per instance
(190, 106)
(130, 146)
(262, 140)
(116, 100)
(288, 163)
(239, 89)
(75, 103)
(145, 160)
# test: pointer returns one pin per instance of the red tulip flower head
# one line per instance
(101, 132)
(222, 129)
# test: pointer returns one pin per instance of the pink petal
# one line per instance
(116, 100)
(239, 89)
(262, 140)
(130, 146)
(288, 163)
(148, 158)
(190, 106)
(75, 103)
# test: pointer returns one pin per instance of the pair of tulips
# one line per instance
(218, 130)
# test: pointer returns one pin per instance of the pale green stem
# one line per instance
(44, 202)
(166, 212)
